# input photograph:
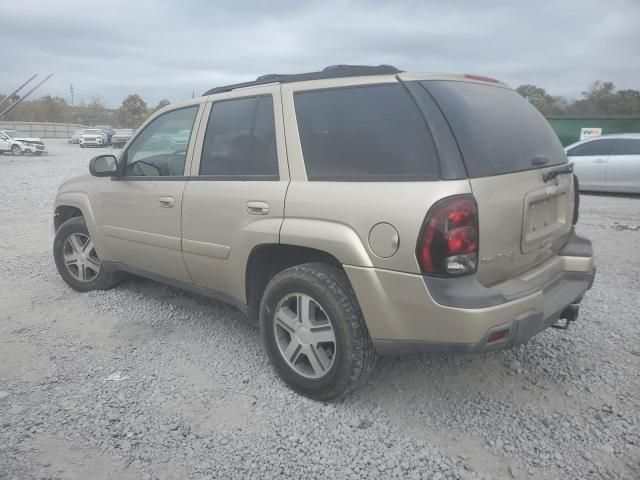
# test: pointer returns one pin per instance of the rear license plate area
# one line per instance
(545, 216)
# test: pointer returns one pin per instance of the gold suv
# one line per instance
(352, 212)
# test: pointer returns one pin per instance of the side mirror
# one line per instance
(103, 166)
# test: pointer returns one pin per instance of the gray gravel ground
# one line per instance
(145, 381)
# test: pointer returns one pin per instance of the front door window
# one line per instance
(161, 148)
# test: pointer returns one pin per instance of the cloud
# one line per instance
(170, 49)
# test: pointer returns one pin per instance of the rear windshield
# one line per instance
(364, 133)
(497, 130)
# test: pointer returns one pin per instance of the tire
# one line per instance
(100, 280)
(351, 358)
(16, 151)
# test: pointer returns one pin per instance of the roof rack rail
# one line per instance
(332, 71)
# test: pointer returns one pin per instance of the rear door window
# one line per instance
(497, 130)
(626, 146)
(240, 139)
(592, 148)
(364, 133)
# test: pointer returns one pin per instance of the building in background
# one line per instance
(571, 128)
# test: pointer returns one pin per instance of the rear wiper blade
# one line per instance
(551, 174)
(540, 160)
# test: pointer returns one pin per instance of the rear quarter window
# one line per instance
(627, 146)
(364, 133)
(496, 129)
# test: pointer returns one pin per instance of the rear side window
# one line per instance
(626, 146)
(497, 130)
(594, 147)
(364, 133)
(240, 139)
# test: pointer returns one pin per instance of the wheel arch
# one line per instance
(74, 204)
(267, 260)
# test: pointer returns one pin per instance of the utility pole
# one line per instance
(9, 97)
(71, 90)
(16, 103)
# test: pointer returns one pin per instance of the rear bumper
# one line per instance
(407, 313)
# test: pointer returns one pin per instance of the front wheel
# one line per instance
(77, 261)
(16, 151)
(314, 333)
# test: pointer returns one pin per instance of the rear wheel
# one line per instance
(16, 150)
(314, 333)
(77, 261)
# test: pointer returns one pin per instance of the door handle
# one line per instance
(166, 202)
(600, 160)
(258, 208)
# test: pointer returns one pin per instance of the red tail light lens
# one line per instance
(448, 242)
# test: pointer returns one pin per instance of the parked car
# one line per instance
(108, 130)
(350, 213)
(121, 137)
(608, 163)
(93, 137)
(180, 140)
(19, 143)
(75, 138)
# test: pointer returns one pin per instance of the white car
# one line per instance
(75, 138)
(608, 163)
(19, 143)
(93, 137)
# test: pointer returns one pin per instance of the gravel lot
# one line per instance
(145, 381)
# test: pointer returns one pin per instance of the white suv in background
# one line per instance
(93, 137)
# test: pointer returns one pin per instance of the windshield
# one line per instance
(93, 132)
(16, 134)
(497, 130)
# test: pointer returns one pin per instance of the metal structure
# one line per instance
(15, 104)
(10, 96)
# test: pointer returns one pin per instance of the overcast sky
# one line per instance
(169, 49)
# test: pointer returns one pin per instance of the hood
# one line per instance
(27, 139)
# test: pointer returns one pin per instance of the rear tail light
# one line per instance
(448, 241)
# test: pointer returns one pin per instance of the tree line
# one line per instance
(130, 114)
(601, 98)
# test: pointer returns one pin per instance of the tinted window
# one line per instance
(497, 130)
(240, 139)
(594, 147)
(364, 133)
(161, 148)
(626, 146)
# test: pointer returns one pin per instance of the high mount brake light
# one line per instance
(448, 241)
(481, 78)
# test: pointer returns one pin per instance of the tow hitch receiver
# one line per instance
(568, 315)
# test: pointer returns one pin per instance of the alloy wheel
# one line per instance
(304, 335)
(80, 257)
